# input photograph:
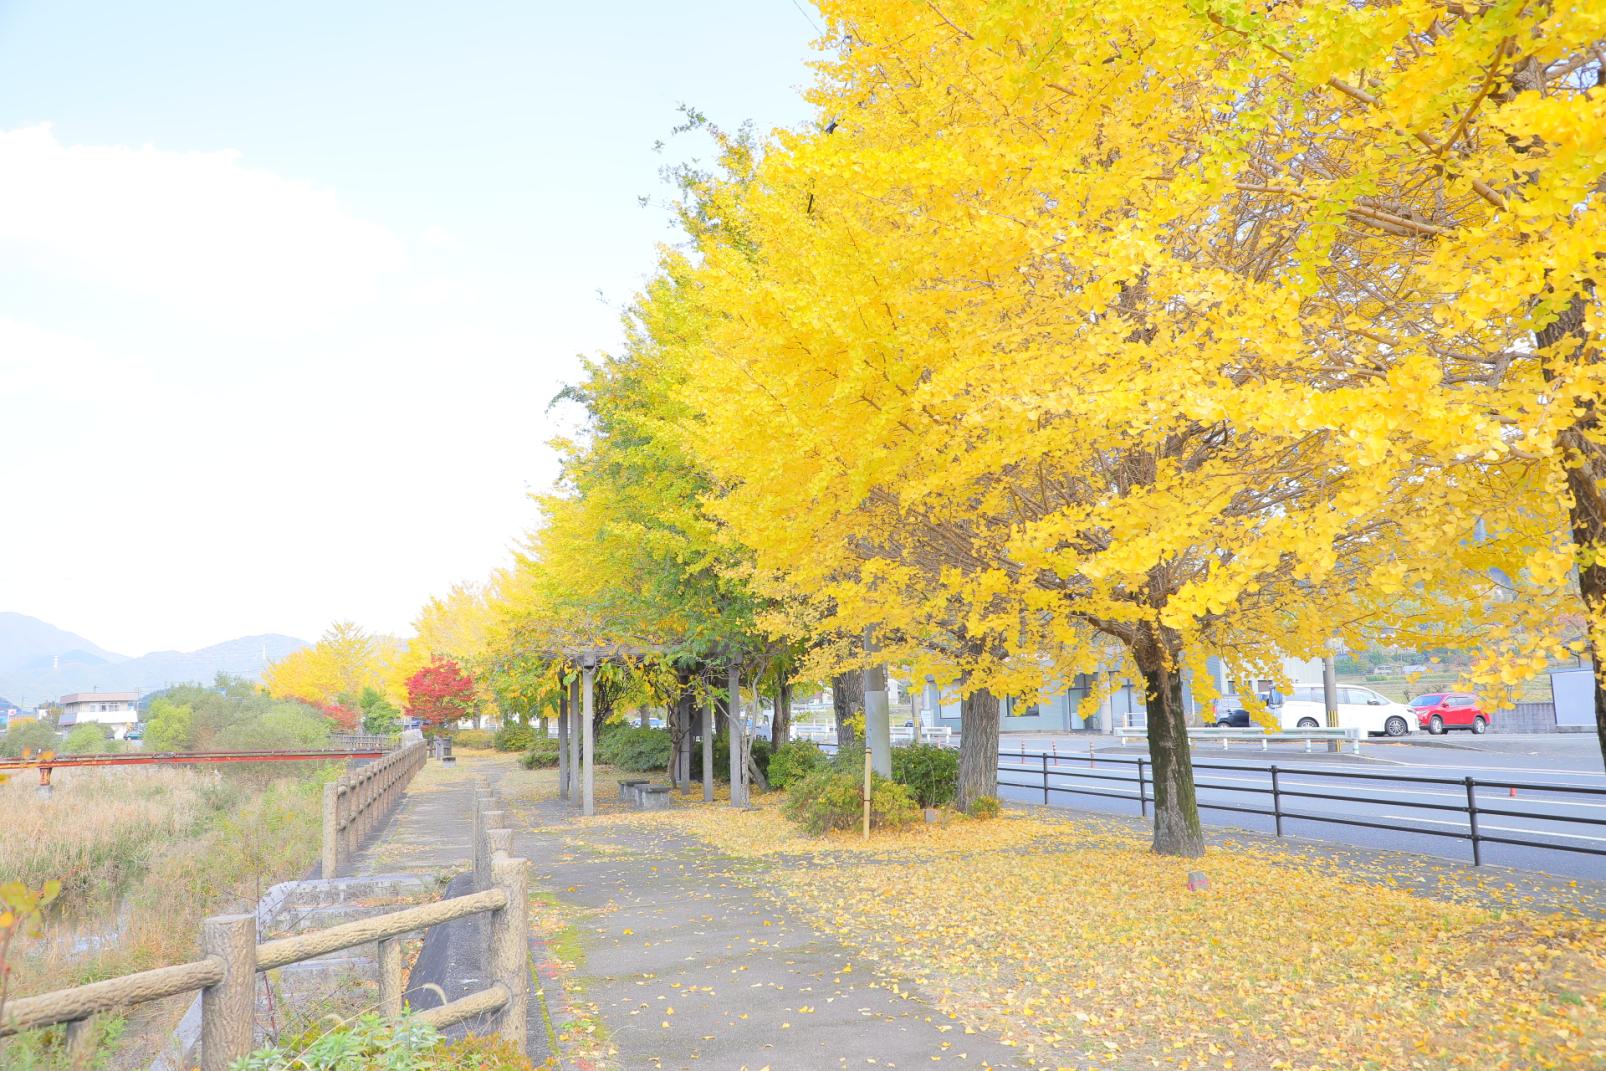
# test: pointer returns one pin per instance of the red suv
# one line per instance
(1438, 712)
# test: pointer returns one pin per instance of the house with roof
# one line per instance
(118, 711)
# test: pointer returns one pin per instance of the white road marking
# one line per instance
(1498, 829)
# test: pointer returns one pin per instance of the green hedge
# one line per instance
(832, 799)
(634, 748)
(514, 738)
(542, 752)
(795, 760)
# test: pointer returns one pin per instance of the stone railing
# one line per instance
(226, 973)
(363, 742)
(360, 800)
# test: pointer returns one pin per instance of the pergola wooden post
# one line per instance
(733, 719)
(708, 749)
(576, 735)
(564, 770)
(588, 800)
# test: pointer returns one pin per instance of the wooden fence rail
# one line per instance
(226, 974)
(360, 800)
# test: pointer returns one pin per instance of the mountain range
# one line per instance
(40, 662)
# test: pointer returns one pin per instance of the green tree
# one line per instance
(379, 715)
(27, 734)
(170, 726)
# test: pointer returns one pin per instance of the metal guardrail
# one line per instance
(1351, 737)
(226, 974)
(1048, 767)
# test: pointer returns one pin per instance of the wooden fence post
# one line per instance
(390, 977)
(331, 830)
(228, 1009)
(488, 820)
(498, 840)
(510, 949)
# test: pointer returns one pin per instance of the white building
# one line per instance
(115, 710)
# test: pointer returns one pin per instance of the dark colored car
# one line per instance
(1439, 712)
(1230, 713)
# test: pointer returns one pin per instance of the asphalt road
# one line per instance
(1413, 795)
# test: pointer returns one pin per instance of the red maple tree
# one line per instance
(344, 718)
(441, 693)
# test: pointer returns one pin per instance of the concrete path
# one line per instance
(689, 966)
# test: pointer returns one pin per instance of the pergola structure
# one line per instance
(576, 743)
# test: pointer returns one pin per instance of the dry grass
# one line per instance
(143, 855)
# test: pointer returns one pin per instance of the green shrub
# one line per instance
(28, 734)
(284, 727)
(849, 759)
(541, 754)
(370, 1043)
(722, 758)
(473, 739)
(514, 738)
(985, 807)
(930, 772)
(628, 747)
(90, 739)
(831, 799)
(795, 760)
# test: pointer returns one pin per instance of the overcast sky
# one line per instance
(285, 289)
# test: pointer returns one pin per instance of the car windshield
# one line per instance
(1426, 700)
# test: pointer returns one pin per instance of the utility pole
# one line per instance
(1330, 698)
(877, 716)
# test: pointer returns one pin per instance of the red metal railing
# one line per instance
(177, 758)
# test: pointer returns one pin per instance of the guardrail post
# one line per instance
(390, 977)
(1143, 795)
(510, 949)
(1045, 779)
(1276, 800)
(1472, 821)
(331, 830)
(228, 1009)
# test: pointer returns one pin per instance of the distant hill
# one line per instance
(27, 641)
(47, 662)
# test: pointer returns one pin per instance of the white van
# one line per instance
(1358, 708)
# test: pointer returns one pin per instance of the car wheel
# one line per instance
(1307, 723)
(1396, 726)
(1436, 725)
(1479, 725)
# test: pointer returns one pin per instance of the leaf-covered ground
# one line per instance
(1068, 938)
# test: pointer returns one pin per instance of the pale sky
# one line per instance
(285, 289)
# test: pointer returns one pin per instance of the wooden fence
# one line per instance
(360, 800)
(226, 973)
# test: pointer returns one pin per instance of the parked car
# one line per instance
(1358, 708)
(136, 731)
(1439, 712)
(1230, 713)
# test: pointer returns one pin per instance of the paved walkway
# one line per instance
(689, 966)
